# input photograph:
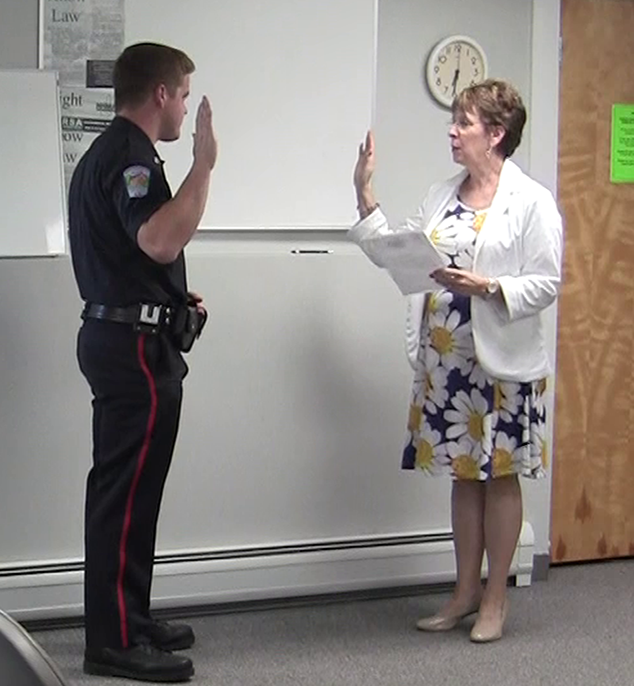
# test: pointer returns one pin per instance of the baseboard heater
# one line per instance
(43, 590)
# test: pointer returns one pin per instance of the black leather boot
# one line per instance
(140, 662)
(170, 636)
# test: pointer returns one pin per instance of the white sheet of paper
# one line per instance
(409, 257)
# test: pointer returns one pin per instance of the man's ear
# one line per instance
(160, 94)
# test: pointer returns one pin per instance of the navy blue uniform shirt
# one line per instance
(117, 186)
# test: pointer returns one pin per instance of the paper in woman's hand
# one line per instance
(409, 257)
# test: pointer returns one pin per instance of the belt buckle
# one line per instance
(149, 318)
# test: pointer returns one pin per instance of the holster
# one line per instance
(186, 326)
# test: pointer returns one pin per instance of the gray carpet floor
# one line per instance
(576, 628)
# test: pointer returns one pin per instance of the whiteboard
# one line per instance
(31, 188)
(291, 85)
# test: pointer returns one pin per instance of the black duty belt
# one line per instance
(147, 317)
(183, 324)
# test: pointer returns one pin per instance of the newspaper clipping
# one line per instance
(85, 114)
(81, 39)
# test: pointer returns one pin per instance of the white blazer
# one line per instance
(520, 245)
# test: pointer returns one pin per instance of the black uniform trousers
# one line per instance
(136, 381)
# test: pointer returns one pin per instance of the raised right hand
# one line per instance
(364, 167)
(205, 144)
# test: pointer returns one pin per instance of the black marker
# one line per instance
(311, 252)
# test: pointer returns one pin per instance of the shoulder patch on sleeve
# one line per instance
(137, 181)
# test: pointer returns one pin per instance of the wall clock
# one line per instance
(453, 64)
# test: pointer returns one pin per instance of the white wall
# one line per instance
(295, 408)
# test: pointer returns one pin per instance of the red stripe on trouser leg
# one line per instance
(127, 520)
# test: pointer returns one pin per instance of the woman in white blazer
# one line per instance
(476, 343)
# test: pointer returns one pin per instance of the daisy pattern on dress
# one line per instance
(438, 300)
(415, 417)
(467, 417)
(429, 449)
(462, 421)
(540, 396)
(505, 456)
(445, 237)
(464, 259)
(435, 388)
(539, 444)
(449, 341)
(478, 377)
(508, 399)
(463, 460)
(478, 221)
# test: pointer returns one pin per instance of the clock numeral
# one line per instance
(436, 69)
(442, 59)
(458, 48)
(473, 60)
(438, 81)
(476, 72)
(473, 83)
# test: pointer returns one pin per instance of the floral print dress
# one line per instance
(462, 421)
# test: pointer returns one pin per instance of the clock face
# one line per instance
(454, 64)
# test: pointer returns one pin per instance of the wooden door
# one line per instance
(593, 467)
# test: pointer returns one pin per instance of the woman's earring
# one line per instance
(488, 152)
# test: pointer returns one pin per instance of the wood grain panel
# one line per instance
(593, 467)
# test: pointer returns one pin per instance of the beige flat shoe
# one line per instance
(487, 631)
(442, 622)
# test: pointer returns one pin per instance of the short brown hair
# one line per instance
(140, 68)
(497, 103)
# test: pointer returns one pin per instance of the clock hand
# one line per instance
(457, 74)
(454, 83)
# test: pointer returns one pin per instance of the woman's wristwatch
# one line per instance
(491, 289)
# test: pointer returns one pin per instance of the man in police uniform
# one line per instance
(127, 235)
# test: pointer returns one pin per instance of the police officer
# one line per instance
(127, 235)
